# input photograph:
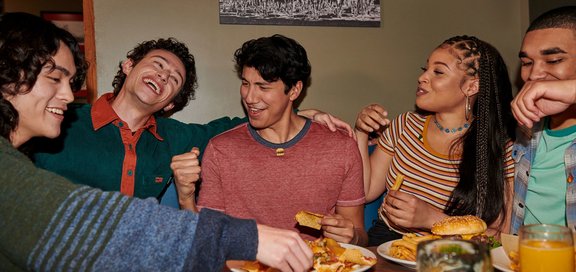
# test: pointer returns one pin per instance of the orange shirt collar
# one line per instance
(102, 114)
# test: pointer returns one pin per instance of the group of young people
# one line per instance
(459, 152)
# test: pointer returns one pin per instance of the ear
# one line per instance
(473, 86)
(294, 93)
(127, 66)
(168, 107)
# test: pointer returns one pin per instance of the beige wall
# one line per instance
(36, 6)
(351, 67)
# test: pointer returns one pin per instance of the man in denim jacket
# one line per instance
(545, 151)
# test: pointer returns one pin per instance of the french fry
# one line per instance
(405, 248)
(397, 182)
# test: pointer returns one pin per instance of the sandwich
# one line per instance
(467, 227)
(309, 219)
(459, 227)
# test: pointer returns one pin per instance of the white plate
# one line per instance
(236, 266)
(500, 259)
(383, 251)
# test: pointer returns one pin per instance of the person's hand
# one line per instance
(406, 210)
(186, 169)
(542, 98)
(283, 249)
(372, 118)
(333, 123)
(337, 227)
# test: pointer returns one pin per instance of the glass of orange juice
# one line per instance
(546, 247)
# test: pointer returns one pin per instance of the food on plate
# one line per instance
(309, 219)
(514, 260)
(466, 227)
(397, 182)
(330, 256)
(405, 248)
(256, 266)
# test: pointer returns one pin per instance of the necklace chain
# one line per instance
(451, 130)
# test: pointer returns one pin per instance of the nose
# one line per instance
(248, 94)
(536, 72)
(65, 94)
(422, 78)
(163, 75)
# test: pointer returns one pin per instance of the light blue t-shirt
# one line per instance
(546, 195)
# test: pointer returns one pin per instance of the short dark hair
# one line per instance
(275, 57)
(562, 17)
(175, 47)
(27, 44)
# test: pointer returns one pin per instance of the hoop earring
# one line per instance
(467, 109)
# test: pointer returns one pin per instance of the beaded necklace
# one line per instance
(451, 130)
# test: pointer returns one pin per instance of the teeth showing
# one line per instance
(55, 111)
(153, 85)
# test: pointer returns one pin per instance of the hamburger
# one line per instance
(467, 227)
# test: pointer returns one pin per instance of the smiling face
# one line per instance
(41, 109)
(155, 80)
(443, 84)
(548, 54)
(266, 102)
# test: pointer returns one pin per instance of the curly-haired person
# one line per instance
(454, 151)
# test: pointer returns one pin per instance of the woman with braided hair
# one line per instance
(452, 153)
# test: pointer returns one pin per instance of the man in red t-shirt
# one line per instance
(281, 163)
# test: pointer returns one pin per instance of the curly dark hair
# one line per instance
(175, 47)
(562, 17)
(481, 189)
(28, 43)
(275, 57)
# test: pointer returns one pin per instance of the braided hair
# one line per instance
(481, 189)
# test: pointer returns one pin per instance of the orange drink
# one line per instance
(541, 255)
(545, 247)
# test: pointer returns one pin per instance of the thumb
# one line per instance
(196, 151)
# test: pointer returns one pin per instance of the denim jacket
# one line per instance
(523, 154)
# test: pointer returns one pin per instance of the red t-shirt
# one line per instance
(245, 176)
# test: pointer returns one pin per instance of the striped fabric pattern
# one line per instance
(429, 175)
(83, 221)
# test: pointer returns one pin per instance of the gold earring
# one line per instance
(467, 109)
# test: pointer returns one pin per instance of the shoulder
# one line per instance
(234, 134)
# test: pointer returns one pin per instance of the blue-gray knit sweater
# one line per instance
(49, 224)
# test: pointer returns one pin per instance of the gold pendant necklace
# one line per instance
(279, 152)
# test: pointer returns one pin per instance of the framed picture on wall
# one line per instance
(73, 22)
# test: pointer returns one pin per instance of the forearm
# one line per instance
(360, 237)
(362, 140)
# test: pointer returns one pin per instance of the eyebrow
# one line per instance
(544, 52)
(65, 71)
(165, 60)
(442, 63)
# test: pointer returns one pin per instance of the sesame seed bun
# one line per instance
(459, 225)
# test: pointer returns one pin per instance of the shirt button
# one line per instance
(120, 124)
(527, 173)
(570, 178)
(521, 205)
(129, 172)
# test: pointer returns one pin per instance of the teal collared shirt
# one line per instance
(523, 153)
(96, 155)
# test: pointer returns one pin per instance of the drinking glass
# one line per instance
(452, 255)
(546, 247)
